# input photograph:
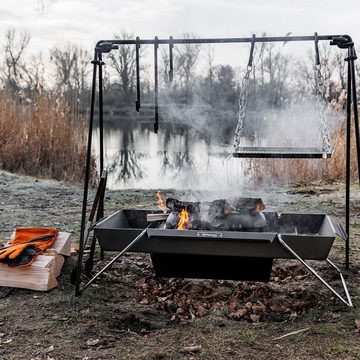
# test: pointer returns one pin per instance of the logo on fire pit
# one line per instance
(213, 234)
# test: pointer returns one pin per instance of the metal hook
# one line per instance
(317, 55)
(137, 56)
(171, 60)
(251, 56)
(156, 46)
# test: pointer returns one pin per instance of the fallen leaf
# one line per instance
(2, 335)
(248, 305)
(93, 342)
(49, 349)
(254, 318)
(233, 304)
(258, 308)
(238, 314)
(201, 311)
(192, 349)
(2, 323)
(357, 325)
(180, 311)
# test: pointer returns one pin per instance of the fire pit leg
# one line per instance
(123, 251)
(348, 302)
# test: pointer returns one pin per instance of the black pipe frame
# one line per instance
(106, 46)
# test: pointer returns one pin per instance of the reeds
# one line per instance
(42, 137)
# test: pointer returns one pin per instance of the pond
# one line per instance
(176, 157)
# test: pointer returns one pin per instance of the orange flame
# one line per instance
(160, 203)
(184, 221)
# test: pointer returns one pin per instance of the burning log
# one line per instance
(247, 205)
(214, 208)
(218, 207)
(236, 215)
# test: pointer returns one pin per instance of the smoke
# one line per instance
(298, 124)
(193, 149)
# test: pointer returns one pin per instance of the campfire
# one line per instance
(226, 215)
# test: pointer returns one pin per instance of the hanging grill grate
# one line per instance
(280, 152)
(323, 152)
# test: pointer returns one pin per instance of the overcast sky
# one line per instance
(86, 21)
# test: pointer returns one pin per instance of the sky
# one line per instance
(84, 22)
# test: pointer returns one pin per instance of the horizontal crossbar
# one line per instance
(216, 40)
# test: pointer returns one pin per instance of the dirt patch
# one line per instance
(129, 314)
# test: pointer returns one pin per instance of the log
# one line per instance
(247, 205)
(157, 217)
(42, 273)
(216, 208)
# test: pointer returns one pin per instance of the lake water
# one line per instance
(136, 157)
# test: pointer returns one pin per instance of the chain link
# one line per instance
(242, 107)
(319, 88)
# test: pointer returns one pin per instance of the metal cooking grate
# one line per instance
(280, 152)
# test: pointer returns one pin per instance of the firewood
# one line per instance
(41, 274)
(247, 205)
(156, 217)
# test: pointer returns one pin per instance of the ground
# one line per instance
(128, 314)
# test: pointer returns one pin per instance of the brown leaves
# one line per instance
(185, 300)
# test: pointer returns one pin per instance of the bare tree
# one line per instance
(123, 62)
(72, 66)
(64, 60)
(13, 64)
(186, 59)
(34, 74)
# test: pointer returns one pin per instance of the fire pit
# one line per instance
(218, 240)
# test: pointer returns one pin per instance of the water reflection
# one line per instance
(176, 157)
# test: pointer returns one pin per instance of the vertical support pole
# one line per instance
(101, 115)
(352, 58)
(156, 82)
(348, 146)
(87, 178)
(100, 212)
(137, 60)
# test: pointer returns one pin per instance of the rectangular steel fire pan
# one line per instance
(310, 235)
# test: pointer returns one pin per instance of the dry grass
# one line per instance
(42, 138)
(309, 170)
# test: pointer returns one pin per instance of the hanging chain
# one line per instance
(242, 106)
(319, 90)
(243, 97)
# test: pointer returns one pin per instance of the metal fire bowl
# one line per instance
(309, 235)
